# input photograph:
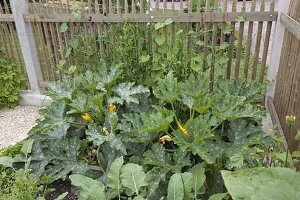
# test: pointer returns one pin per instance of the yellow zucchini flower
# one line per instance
(183, 130)
(165, 138)
(87, 117)
(111, 108)
(105, 131)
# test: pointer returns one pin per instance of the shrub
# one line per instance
(12, 81)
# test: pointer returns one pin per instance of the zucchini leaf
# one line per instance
(263, 183)
(133, 177)
(167, 88)
(127, 92)
(89, 189)
(114, 182)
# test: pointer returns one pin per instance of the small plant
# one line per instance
(12, 81)
(18, 182)
(290, 122)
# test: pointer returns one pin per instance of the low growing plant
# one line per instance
(169, 140)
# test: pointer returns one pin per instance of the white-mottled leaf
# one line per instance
(175, 188)
(133, 177)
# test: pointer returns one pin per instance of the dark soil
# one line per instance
(61, 187)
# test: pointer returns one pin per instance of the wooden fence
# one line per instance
(287, 93)
(9, 41)
(247, 40)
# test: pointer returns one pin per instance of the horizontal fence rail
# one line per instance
(142, 17)
(291, 25)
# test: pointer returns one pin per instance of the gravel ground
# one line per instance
(15, 124)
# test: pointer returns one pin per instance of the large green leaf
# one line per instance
(242, 133)
(131, 127)
(198, 178)
(54, 123)
(263, 184)
(60, 155)
(156, 156)
(27, 146)
(187, 179)
(242, 136)
(194, 86)
(114, 182)
(202, 104)
(180, 159)
(158, 121)
(106, 155)
(127, 92)
(167, 88)
(89, 189)
(232, 107)
(64, 89)
(96, 135)
(142, 127)
(199, 130)
(79, 104)
(252, 91)
(175, 188)
(154, 176)
(6, 161)
(133, 177)
(219, 196)
(108, 76)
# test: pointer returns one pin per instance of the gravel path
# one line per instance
(15, 124)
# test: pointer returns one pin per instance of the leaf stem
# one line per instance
(78, 123)
(174, 112)
(214, 128)
(287, 145)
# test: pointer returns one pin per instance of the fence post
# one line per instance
(283, 7)
(25, 35)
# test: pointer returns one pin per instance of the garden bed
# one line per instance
(175, 139)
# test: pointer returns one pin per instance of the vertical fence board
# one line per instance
(249, 42)
(239, 46)
(266, 45)
(231, 42)
(258, 42)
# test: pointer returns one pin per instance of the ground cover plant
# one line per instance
(119, 140)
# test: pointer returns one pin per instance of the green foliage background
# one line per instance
(12, 82)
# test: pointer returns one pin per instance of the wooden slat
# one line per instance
(266, 45)
(206, 32)
(49, 49)
(6, 38)
(239, 47)
(156, 17)
(249, 42)
(222, 39)
(214, 43)
(141, 6)
(11, 29)
(290, 24)
(53, 43)
(6, 18)
(231, 43)
(99, 27)
(258, 42)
